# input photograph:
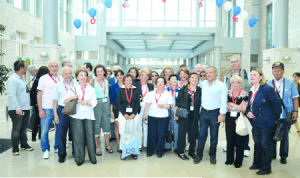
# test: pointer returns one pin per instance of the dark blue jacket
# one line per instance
(266, 107)
(112, 80)
(113, 93)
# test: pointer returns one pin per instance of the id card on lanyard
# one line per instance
(104, 100)
(128, 108)
(83, 107)
(157, 99)
(234, 112)
(192, 97)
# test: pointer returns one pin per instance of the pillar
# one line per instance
(39, 7)
(218, 41)
(11, 2)
(102, 54)
(62, 14)
(26, 5)
(50, 22)
(280, 23)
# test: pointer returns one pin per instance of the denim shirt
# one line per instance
(290, 91)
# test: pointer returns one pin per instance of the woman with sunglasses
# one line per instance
(202, 77)
(154, 76)
(236, 99)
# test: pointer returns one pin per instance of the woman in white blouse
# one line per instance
(157, 103)
(83, 121)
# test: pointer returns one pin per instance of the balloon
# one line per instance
(236, 10)
(126, 0)
(117, 1)
(211, 1)
(100, 7)
(243, 15)
(228, 6)
(77, 23)
(92, 12)
(252, 21)
(108, 3)
(85, 17)
(219, 2)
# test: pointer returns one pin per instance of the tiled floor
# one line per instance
(32, 164)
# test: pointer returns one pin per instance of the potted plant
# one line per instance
(3, 78)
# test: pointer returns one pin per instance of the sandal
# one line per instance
(98, 152)
(119, 151)
(135, 157)
(123, 158)
(109, 150)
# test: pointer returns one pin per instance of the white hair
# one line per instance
(52, 61)
(64, 68)
(235, 56)
(32, 68)
(215, 69)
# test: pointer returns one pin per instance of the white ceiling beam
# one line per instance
(166, 37)
(202, 48)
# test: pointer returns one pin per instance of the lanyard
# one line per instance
(129, 100)
(83, 92)
(192, 94)
(145, 91)
(234, 101)
(156, 100)
(66, 86)
(172, 90)
(53, 78)
(252, 98)
(104, 90)
(276, 90)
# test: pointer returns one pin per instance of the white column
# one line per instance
(102, 55)
(280, 23)
(39, 7)
(62, 13)
(50, 22)
(246, 53)
(101, 37)
(26, 5)
(218, 41)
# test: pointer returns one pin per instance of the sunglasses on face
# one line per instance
(202, 75)
(235, 82)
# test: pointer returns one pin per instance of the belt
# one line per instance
(215, 110)
(101, 98)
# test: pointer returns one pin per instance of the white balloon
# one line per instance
(117, 1)
(228, 6)
(243, 15)
(85, 17)
(100, 7)
(211, 1)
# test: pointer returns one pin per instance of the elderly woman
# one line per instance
(157, 103)
(183, 75)
(237, 98)
(109, 73)
(296, 76)
(102, 110)
(129, 105)
(135, 74)
(264, 109)
(166, 72)
(114, 90)
(62, 120)
(143, 88)
(83, 122)
(189, 97)
(154, 76)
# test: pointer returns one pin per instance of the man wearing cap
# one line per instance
(287, 91)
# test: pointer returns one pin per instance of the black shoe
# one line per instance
(237, 165)
(273, 157)
(197, 159)
(213, 161)
(15, 151)
(61, 159)
(94, 162)
(159, 156)
(228, 163)
(283, 161)
(192, 155)
(254, 167)
(149, 155)
(175, 151)
(27, 148)
(263, 172)
(112, 139)
(166, 150)
(183, 156)
(79, 163)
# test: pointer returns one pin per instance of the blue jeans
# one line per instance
(284, 143)
(112, 130)
(174, 127)
(45, 126)
(208, 119)
(262, 148)
(62, 129)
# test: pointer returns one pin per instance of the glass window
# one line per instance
(269, 27)
(18, 3)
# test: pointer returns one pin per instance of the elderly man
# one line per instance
(214, 104)
(198, 70)
(113, 79)
(88, 66)
(288, 93)
(19, 106)
(235, 64)
(45, 89)
(33, 71)
(62, 121)
(67, 63)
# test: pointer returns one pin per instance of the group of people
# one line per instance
(151, 102)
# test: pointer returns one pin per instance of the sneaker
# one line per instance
(27, 148)
(15, 151)
(55, 150)
(187, 147)
(46, 154)
(246, 153)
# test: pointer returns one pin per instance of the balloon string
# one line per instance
(93, 21)
(234, 18)
(200, 4)
(125, 5)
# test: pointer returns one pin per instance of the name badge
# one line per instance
(104, 100)
(176, 94)
(192, 107)
(233, 114)
(129, 109)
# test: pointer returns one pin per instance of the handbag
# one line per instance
(243, 126)
(70, 107)
(182, 112)
(278, 134)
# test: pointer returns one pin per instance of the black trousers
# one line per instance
(233, 139)
(83, 132)
(184, 126)
(36, 123)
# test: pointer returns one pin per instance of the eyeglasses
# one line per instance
(153, 75)
(202, 75)
(235, 82)
(234, 62)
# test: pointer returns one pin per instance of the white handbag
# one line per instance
(243, 126)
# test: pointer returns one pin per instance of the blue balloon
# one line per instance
(92, 12)
(236, 10)
(77, 23)
(273, 46)
(126, 0)
(252, 21)
(108, 3)
(219, 2)
(59, 44)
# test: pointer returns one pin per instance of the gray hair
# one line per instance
(236, 56)
(32, 68)
(66, 67)
(52, 61)
(63, 64)
(215, 69)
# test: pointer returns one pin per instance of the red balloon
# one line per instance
(93, 21)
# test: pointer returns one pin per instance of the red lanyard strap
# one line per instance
(145, 91)
(172, 90)
(156, 100)
(252, 98)
(66, 86)
(276, 90)
(234, 101)
(192, 94)
(83, 92)
(104, 89)
(129, 100)
(53, 78)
